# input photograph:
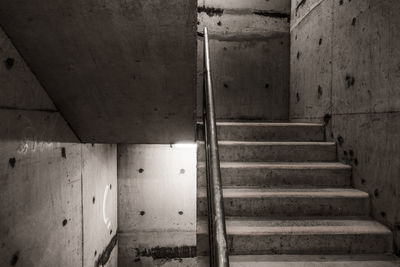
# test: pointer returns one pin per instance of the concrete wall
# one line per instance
(119, 71)
(157, 205)
(48, 179)
(249, 43)
(99, 205)
(344, 70)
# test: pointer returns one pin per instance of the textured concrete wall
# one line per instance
(156, 204)
(249, 43)
(48, 179)
(99, 205)
(344, 70)
(119, 71)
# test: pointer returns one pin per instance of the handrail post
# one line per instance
(216, 216)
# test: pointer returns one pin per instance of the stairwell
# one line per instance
(288, 201)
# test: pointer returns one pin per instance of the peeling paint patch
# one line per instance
(297, 98)
(210, 11)
(349, 157)
(319, 92)
(167, 252)
(9, 62)
(12, 162)
(327, 118)
(350, 81)
(63, 153)
(340, 140)
(376, 193)
(105, 255)
(14, 259)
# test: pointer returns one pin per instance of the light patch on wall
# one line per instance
(106, 219)
(161, 180)
(157, 198)
(184, 145)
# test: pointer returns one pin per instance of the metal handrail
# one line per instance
(216, 216)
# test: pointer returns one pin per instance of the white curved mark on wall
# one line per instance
(107, 220)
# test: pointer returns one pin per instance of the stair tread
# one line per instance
(311, 226)
(281, 165)
(243, 192)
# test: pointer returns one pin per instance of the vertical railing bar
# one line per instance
(216, 217)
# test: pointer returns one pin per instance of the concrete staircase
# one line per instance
(286, 193)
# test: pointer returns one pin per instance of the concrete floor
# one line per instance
(310, 261)
(288, 261)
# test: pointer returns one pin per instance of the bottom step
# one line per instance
(250, 236)
(309, 261)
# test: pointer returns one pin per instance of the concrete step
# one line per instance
(249, 236)
(232, 151)
(267, 174)
(289, 202)
(358, 260)
(265, 131)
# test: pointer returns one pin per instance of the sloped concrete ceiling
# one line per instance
(119, 71)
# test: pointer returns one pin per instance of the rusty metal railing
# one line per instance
(216, 216)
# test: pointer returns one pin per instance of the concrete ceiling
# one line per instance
(119, 71)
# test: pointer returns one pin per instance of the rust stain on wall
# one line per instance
(166, 252)
(105, 255)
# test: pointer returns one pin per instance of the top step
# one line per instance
(266, 131)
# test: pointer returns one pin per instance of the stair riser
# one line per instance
(290, 206)
(266, 133)
(269, 153)
(301, 244)
(269, 177)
